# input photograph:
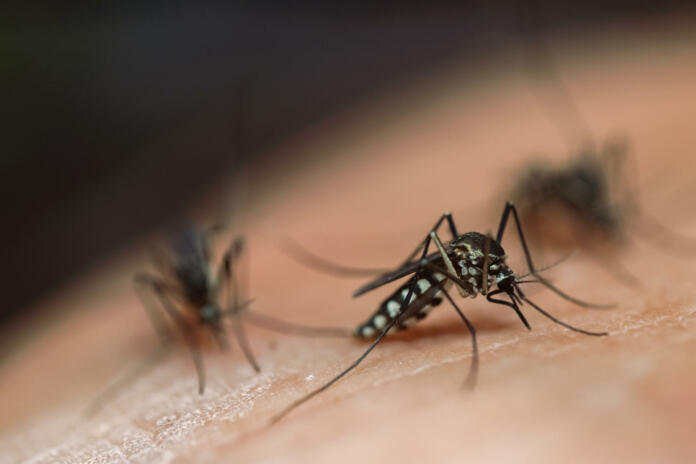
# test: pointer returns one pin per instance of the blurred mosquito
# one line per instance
(597, 187)
(192, 294)
(475, 264)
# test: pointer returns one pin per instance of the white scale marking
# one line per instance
(393, 308)
(404, 294)
(380, 321)
(424, 285)
(368, 331)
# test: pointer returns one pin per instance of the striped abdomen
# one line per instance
(425, 296)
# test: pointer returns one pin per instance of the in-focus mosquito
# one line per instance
(193, 295)
(475, 264)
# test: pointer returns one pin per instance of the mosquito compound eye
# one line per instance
(505, 282)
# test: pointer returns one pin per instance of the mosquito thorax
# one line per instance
(469, 260)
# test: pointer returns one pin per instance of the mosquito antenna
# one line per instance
(278, 325)
(558, 321)
(564, 258)
(572, 299)
(355, 364)
(300, 254)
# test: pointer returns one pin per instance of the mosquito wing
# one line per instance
(403, 271)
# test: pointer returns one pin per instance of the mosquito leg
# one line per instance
(143, 287)
(200, 368)
(445, 258)
(355, 364)
(509, 207)
(186, 330)
(234, 307)
(225, 273)
(409, 265)
(277, 325)
(142, 283)
(445, 272)
(309, 259)
(403, 315)
(486, 258)
(240, 333)
(470, 381)
(304, 256)
(232, 300)
(453, 230)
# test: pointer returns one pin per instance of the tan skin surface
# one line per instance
(548, 395)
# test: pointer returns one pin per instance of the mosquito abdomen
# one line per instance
(425, 296)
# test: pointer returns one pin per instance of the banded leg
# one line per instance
(446, 259)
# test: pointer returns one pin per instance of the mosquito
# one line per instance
(598, 185)
(187, 294)
(475, 264)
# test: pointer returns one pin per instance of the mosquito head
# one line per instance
(505, 280)
(210, 314)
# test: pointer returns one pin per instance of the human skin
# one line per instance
(546, 395)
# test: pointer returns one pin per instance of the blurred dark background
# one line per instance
(116, 117)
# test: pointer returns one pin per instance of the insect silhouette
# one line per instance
(189, 292)
(475, 264)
